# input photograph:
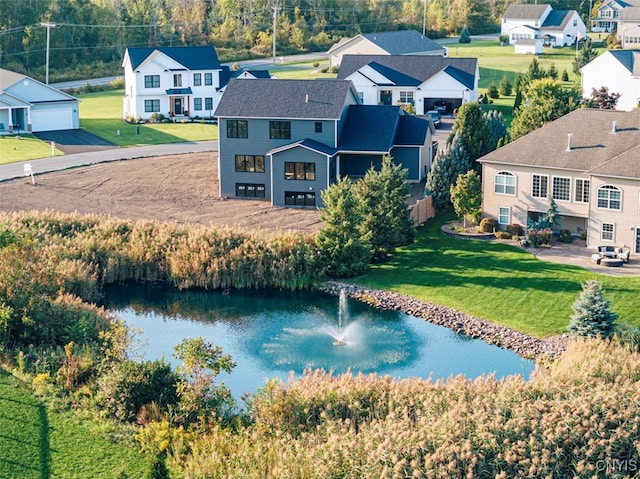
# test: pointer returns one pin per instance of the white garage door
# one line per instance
(47, 120)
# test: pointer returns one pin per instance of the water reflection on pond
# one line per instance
(270, 333)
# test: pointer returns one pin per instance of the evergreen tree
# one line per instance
(585, 55)
(492, 91)
(591, 313)
(466, 197)
(447, 166)
(474, 133)
(517, 101)
(465, 36)
(505, 86)
(564, 76)
(497, 126)
(386, 217)
(552, 72)
(535, 71)
(346, 251)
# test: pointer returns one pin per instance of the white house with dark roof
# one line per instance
(176, 82)
(287, 140)
(401, 42)
(588, 161)
(29, 105)
(619, 71)
(557, 28)
(422, 81)
(610, 13)
(628, 31)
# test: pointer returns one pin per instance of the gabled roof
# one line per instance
(630, 14)
(557, 19)
(412, 131)
(370, 128)
(192, 58)
(595, 149)
(622, 3)
(15, 84)
(394, 76)
(525, 12)
(252, 73)
(414, 67)
(403, 42)
(630, 59)
(309, 144)
(285, 99)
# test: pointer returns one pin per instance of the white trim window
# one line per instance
(608, 232)
(610, 197)
(504, 215)
(504, 183)
(406, 97)
(581, 191)
(561, 189)
(540, 186)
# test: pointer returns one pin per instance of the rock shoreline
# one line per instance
(526, 346)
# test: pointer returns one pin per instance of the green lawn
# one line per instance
(27, 147)
(496, 281)
(37, 443)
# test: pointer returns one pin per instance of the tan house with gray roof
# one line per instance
(588, 161)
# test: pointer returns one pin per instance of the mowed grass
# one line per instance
(38, 443)
(24, 147)
(101, 114)
(496, 281)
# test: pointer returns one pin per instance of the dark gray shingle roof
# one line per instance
(370, 128)
(193, 58)
(525, 12)
(630, 59)
(630, 14)
(403, 42)
(418, 67)
(557, 19)
(290, 99)
(595, 149)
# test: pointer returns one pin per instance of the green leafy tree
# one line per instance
(200, 397)
(346, 251)
(447, 166)
(585, 55)
(591, 314)
(602, 99)
(505, 86)
(474, 133)
(547, 100)
(386, 217)
(497, 126)
(466, 197)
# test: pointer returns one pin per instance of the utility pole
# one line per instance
(276, 9)
(48, 26)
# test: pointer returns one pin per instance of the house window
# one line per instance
(280, 130)
(208, 79)
(504, 215)
(318, 127)
(608, 232)
(197, 79)
(237, 129)
(151, 106)
(561, 188)
(299, 171)
(197, 104)
(540, 186)
(208, 103)
(504, 183)
(609, 197)
(152, 81)
(295, 198)
(177, 80)
(582, 191)
(250, 163)
(575, 23)
(406, 97)
(249, 190)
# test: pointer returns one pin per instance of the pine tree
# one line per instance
(474, 133)
(497, 126)
(505, 86)
(552, 72)
(564, 76)
(591, 313)
(345, 250)
(465, 36)
(585, 55)
(446, 168)
(535, 71)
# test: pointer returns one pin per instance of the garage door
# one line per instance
(47, 120)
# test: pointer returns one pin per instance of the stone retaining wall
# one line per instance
(524, 345)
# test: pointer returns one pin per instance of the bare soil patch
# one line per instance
(180, 188)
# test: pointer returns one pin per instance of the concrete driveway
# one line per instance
(75, 141)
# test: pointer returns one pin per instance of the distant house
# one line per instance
(610, 14)
(172, 81)
(252, 74)
(619, 71)
(402, 42)
(425, 82)
(587, 161)
(29, 105)
(287, 140)
(629, 28)
(557, 28)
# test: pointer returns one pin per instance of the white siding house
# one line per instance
(558, 28)
(619, 71)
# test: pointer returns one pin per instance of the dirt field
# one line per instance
(180, 188)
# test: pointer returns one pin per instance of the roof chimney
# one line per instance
(614, 129)
(569, 135)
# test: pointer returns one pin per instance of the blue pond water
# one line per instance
(271, 334)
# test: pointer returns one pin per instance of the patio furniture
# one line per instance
(595, 258)
(624, 254)
(611, 262)
(614, 252)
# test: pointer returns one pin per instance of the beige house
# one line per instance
(588, 161)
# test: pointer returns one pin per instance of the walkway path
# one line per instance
(56, 163)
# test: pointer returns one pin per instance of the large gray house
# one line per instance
(287, 140)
